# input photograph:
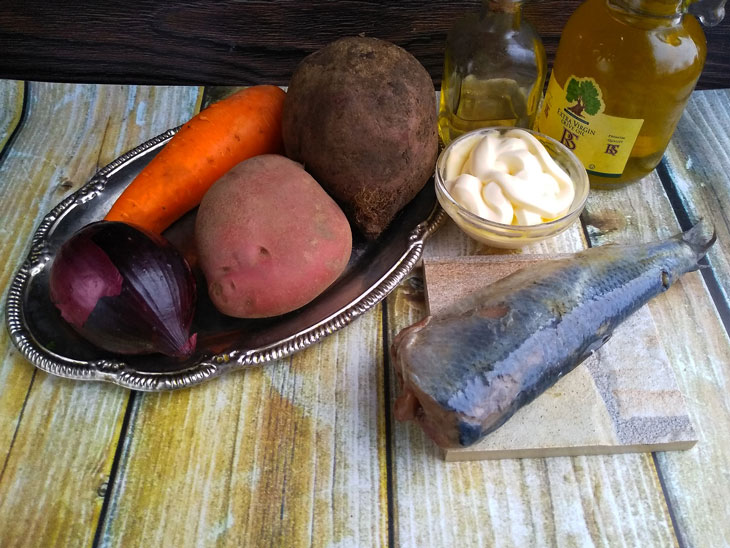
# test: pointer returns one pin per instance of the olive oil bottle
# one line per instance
(494, 71)
(623, 73)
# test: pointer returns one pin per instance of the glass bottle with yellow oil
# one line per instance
(622, 75)
(494, 71)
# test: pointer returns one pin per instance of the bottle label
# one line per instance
(574, 116)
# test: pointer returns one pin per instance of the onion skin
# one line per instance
(125, 290)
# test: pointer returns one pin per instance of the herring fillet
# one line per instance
(464, 373)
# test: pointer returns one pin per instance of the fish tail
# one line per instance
(699, 238)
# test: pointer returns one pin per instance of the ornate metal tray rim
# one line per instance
(119, 372)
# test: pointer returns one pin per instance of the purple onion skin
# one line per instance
(125, 290)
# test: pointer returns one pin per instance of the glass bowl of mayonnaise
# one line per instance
(508, 187)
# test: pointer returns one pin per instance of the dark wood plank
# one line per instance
(243, 43)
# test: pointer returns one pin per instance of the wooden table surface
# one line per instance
(306, 451)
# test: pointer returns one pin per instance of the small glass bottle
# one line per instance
(494, 71)
(622, 75)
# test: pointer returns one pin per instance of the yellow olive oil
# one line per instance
(494, 71)
(623, 73)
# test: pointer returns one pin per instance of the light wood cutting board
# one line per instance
(624, 398)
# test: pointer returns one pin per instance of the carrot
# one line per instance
(246, 124)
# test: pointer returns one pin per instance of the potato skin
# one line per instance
(269, 238)
(360, 114)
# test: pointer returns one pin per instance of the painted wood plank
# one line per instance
(449, 241)
(698, 164)
(11, 108)
(58, 437)
(575, 501)
(290, 454)
(14, 382)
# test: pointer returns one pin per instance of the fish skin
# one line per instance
(466, 372)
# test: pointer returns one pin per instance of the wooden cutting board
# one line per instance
(624, 398)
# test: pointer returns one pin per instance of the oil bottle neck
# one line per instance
(502, 6)
(669, 12)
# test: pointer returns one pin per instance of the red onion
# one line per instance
(125, 290)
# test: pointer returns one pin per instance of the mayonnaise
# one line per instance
(508, 179)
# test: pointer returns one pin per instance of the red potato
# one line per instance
(269, 238)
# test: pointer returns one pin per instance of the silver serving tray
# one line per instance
(224, 343)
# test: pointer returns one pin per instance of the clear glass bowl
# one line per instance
(513, 236)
